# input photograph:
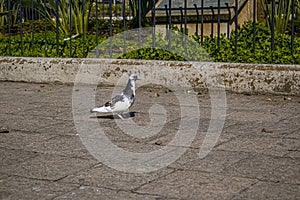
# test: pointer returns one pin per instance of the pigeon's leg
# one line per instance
(121, 117)
(124, 116)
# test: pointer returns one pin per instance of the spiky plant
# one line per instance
(145, 5)
(69, 12)
(282, 13)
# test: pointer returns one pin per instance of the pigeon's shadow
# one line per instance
(125, 116)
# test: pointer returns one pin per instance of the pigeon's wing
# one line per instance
(113, 101)
(112, 105)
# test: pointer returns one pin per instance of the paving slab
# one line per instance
(3, 176)
(270, 190)
(65, 127)
(43, 156)
(267, 168)
(47, 167)
(103, 176)
(15, 188)
(26, 122)
(20, 139)
(11, 157)
(215, 162)
(294, 154)
(263, 145)
(195, 185)
(70, 146)
(96, 193)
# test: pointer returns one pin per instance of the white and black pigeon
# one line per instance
(121, 102)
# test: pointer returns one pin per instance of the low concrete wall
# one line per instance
(240, 78)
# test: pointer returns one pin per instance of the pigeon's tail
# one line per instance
(101, 109)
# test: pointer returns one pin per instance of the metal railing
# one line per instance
(128, 15)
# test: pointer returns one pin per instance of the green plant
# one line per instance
(75, 12)
(42, 47)
(3, 13)
(146, 6)
(180, 48)
(282, 13)
(6, 12)
(167, 48)
(104, 26)
(263, 53)
(174, 46)
(297, 9)
(152, 54)
(36, 26)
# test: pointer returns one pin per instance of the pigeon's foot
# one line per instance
(124, 116)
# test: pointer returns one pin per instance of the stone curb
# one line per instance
(236, 77)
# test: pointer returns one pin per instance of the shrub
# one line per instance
(36, 46)
(226, 52)
(169, 50)
(35, 26)
(152, 54)
(244, 53)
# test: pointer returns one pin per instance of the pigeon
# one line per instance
(121, 102)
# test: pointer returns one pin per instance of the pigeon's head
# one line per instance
(133, 77)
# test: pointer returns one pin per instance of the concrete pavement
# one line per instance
(42, 157)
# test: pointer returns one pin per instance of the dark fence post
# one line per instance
(21, 27)
(32, 28)
(185, 16)
(273, 26)
(236, 24)
(202, 20)
(57, 27)
(170, 14)
(71, 25)
(140, 21)
(273, 29)
(219, 23)
(197, 23)
(97, 29)
(124, 25)
(9, 27)
(167, 24)
(254, 24)
(229, 18)
(83, 31)
(45, 29)
(212, 23)
(185, 24)
(293, 28)
(181, 19)
(154, 24)
(110, 29)
(167, 17)
(170, 25)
